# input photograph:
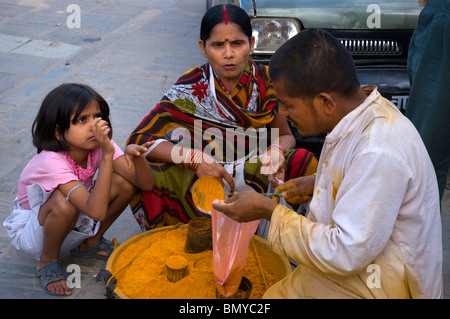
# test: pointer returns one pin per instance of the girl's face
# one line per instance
(80, 137)
(228, 50)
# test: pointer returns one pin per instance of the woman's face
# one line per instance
(228, 50)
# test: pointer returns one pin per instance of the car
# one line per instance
(376, 33)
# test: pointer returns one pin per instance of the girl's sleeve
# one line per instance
(118, 151)
(52, 172)
(43, 173)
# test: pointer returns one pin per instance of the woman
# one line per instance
(215, 121)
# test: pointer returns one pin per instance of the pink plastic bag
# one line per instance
(230, 249)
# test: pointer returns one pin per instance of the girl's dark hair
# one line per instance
(312, 62)
(216, 15)
(56, 111)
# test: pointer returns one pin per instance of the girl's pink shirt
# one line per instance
(51, 169)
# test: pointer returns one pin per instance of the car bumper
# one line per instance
(392, 82)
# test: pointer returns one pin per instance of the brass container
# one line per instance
(177, 268)
(199, 235)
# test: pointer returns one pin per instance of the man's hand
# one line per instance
(247, 206)
(297, 190)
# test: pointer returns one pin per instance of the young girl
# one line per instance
(60, 207)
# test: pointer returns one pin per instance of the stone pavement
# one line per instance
(130, 51)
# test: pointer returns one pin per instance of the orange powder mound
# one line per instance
(176, 262)
(144, 274)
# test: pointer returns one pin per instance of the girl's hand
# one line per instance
(297, 190)
(136, 151)
(138, 170)
(209, 167)
(272, 165)
(101, 130)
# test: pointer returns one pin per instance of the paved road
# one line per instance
(131, 51)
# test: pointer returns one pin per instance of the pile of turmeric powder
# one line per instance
(141, 272)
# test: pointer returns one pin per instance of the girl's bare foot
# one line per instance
(49, 271)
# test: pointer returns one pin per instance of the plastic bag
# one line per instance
(230, 250)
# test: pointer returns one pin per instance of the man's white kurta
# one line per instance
(374, 226)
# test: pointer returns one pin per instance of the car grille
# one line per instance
(371, 46)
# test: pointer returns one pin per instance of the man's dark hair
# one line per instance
(311, 62)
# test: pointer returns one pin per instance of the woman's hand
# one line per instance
(247, 206)
(272, 164)
(209, 167)
(297, 190)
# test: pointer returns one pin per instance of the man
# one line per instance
(374, 228)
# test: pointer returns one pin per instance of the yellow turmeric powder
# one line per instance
(143, 271)
(176, 262)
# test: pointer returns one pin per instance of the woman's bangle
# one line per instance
(193, 159)
(146, 153)
(276, 146)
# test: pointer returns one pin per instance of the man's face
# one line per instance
(303, 114)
